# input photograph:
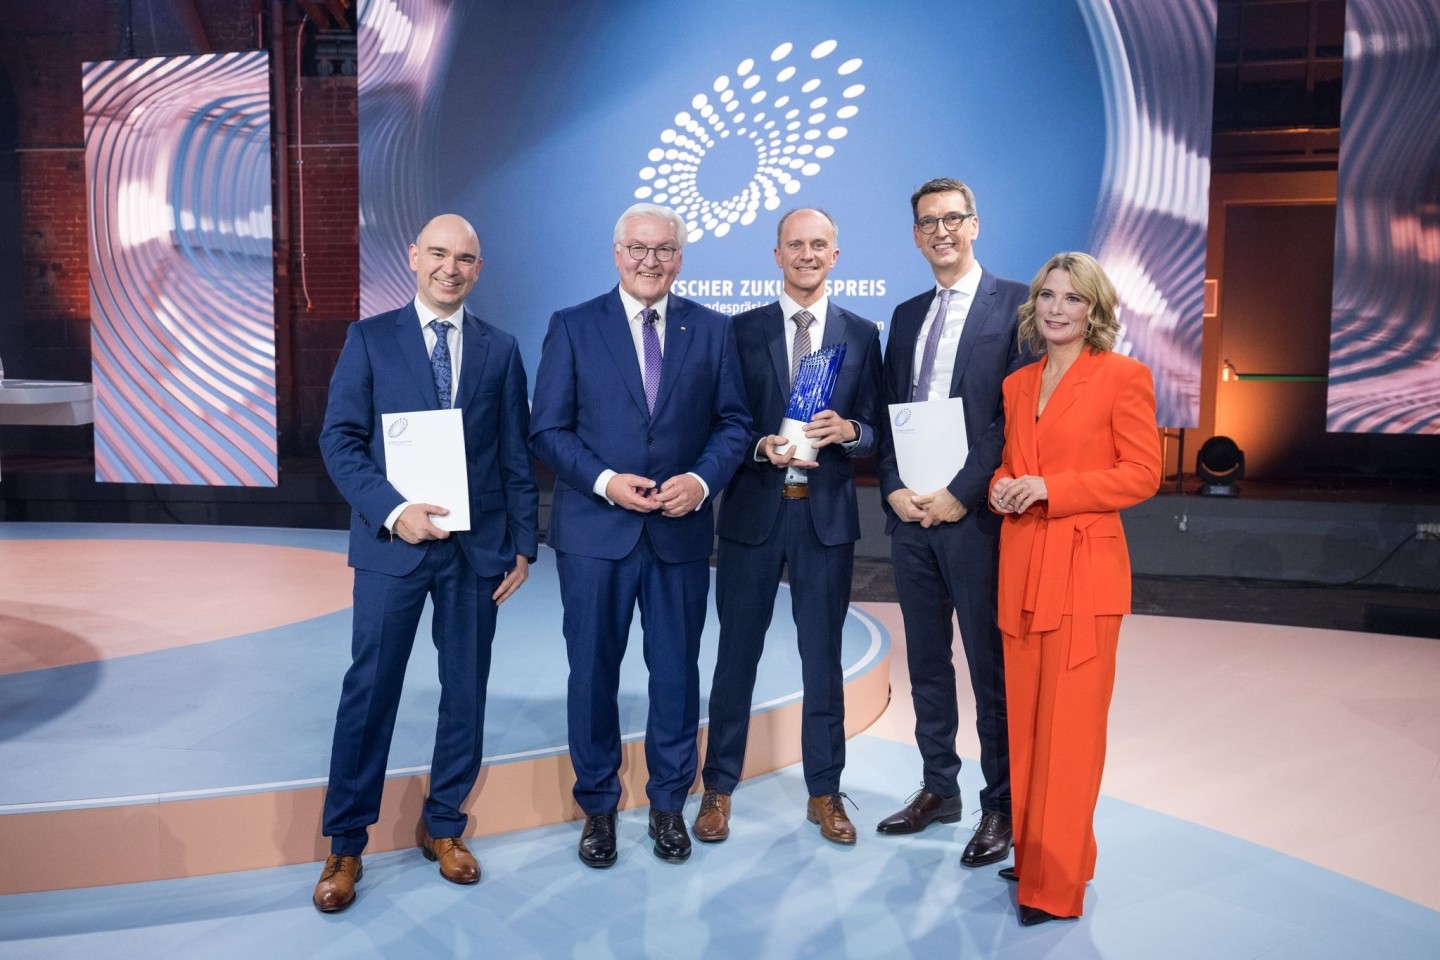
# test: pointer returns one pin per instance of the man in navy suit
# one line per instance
(956, 339)
(430, 354)
(781, 511)
(640, 412)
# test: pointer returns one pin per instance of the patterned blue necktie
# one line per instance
(651, 341)
(440, 361)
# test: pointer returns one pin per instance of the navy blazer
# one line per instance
(589, 415)
(384, 368)
(988, 352)
(747, 513)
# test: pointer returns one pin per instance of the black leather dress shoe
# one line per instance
(672, 840)
(1029, 916)
(991, 842)
(597, 840)
(1008, 873)
(923, 809)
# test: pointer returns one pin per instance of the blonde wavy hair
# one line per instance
(1088, 278)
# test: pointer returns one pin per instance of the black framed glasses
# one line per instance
(638, 251)
(952, 222)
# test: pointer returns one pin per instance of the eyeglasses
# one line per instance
(638, 251)
(952, 222)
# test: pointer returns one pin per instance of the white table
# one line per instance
(47, 403)
(56, 403)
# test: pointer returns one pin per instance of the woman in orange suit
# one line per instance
(1080, 444)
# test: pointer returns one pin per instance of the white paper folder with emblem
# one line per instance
(425, 461)
(930, 442)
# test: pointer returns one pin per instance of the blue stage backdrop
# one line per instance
(1080, 124)
(1385, 310)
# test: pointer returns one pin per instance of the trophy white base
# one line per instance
(794, 431)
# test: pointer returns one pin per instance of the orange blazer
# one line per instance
(1098, 450)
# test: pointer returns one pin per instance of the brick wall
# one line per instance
(41, 56)
(324, 247)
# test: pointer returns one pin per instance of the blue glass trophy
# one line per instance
(809, 394)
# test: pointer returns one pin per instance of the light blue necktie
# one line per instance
(932, 343)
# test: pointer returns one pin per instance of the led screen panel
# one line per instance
(182, 312)
(1385, 308)
(1080, 124)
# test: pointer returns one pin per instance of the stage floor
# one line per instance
(1270, 791)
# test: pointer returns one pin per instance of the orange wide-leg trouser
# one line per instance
(1057, 754)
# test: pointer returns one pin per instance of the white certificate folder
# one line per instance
(930, 442)
(425, 461)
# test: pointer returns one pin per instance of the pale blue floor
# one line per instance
(1165, 890)
(264, 711)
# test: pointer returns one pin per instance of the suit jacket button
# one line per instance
(649, 439)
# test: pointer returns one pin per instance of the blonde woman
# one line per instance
(1080, 445)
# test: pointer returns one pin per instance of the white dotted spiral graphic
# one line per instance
(793, 117)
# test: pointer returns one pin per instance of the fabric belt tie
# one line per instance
(795, 491)
(1067, 548)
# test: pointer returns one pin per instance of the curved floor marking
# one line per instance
(84, 600)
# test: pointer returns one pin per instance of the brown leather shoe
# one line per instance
(922, 809)
(457, 864)
(829, 812)
(336, 889)
(712, 823)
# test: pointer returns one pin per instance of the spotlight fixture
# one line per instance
(1220, 464)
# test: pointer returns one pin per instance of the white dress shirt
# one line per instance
(452, 339)
(944, 371)
(818, 309)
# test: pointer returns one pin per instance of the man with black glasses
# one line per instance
(956, 339)
(640, 411)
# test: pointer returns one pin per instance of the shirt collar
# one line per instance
(966, 285)
(788, 307)
(633, 306)
(426, 314)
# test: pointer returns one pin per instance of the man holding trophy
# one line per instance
(813, 377)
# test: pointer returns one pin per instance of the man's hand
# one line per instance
(939, 507)
(631, 492)
(512, 580)
(902, 501)
(829, 427)
(772, 446)
(414, 526)
(679, 495)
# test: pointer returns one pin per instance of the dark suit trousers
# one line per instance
(387, 611)
(943, 571)
(746, 580)
(600, 598)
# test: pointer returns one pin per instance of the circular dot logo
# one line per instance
(759, 132)
(397, 427)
